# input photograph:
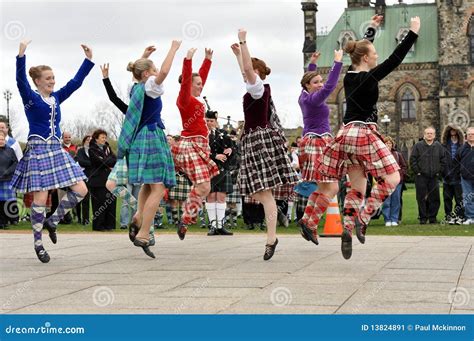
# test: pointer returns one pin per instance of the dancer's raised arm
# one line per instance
(166, 66)
(246, 58)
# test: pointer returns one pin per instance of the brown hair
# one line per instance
(35, 71)
(139, 66)
(389, 139)
(95, 134)
(357, 49)
(180, 78)
(262, 68)
(85, 138)
(307, 77)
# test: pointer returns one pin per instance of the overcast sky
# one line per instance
(118, 31)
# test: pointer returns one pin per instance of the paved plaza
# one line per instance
(105, 273)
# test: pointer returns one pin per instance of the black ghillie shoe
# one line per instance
(346, 244)
(51, 230)
(42, 254)
(132, 231)
(361, 228)
(308, 234)
(270, 250)
(182, 229)
(145, 247)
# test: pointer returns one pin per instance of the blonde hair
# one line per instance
(357, 49)
(35, 71)
(139, 66)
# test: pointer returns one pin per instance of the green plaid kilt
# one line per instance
(119, 173)
(150, 160)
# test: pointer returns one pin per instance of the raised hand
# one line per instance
(314, 57)
(105, 70)
(338, 55)
(87, 51)
(209, 53)
(242, 35)
(190, 53)
(148, 51)
(376, 21)
(175, 45)
(23, 45)
(236, 49)
(415, 24)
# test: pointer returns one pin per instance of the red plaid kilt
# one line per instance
(192, 157)
(311, 148)
(357, 144)
(284, 192)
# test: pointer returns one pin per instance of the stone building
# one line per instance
(434, 84)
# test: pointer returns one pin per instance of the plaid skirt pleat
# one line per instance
(235, 196)
(311, 148)
(181, 190)
(357, 144)
(284, 192)
(6, 193)
(150, 160)
(44, 166)
(265, 163)
(119, 173)
(192, 157)
(222, 182)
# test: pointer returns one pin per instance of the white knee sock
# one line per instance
(211, 213)
(220, 208)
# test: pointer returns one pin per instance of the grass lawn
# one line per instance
(409, 226)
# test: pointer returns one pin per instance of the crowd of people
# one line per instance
(206, 168)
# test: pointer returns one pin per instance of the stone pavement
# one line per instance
(104, 273)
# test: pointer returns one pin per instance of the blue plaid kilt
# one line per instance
(235, 196)
(6, 193)
(44, 166)
(150, 160)
(181, 190)
(119, 173)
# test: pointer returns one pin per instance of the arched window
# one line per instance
(344, 37)
(408, 105)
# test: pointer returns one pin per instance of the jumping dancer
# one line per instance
(45, 164)
(117, 182)
(316, 136)
(143, 142)
(265, 162)
(192, 151)
(358, 148)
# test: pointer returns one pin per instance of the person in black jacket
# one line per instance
(103, 202)
(465, 168)
(452, 139)
(82, 157)
(428, 161)
(8, 162)
(222, 148)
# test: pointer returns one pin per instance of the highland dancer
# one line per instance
(192, 151)
(143, 142)
(316, 136)
(358, 148)
(265, 162)
(45, 164)
(117, 182)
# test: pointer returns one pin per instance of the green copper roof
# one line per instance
(396, 18)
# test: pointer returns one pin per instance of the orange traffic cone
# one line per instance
(333, 225)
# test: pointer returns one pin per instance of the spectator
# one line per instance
(391, 205)
(452, 139)
(67, 144)
(428, 162)
(465, 167)
(103, 202)
(12, 143)
(8, 162)
(84, 160)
